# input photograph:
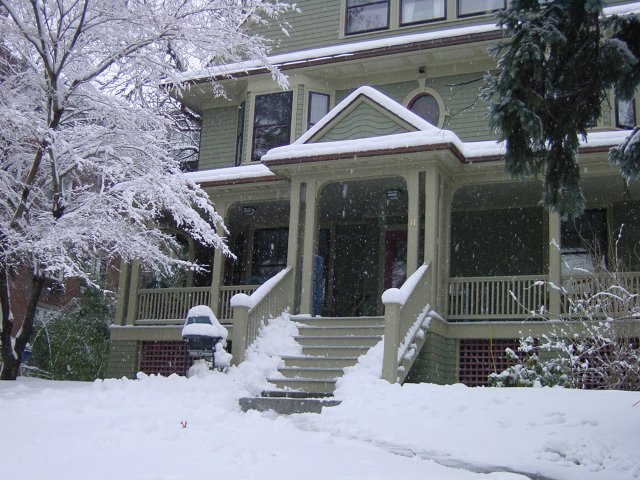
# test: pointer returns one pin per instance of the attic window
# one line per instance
(426, 106)
(366, 16)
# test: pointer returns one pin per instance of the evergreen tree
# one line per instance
(556, 64)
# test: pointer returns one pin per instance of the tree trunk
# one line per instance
(12, 348)
(7, 321)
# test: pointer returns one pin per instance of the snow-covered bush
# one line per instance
(593, 346)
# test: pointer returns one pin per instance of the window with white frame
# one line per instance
(366, 16)
(420, 11)
(271, 122)
(318, 107)
(479, 7)
(625, 113)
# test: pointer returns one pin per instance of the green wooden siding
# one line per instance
(123, 359)
(363, 121)
(467, 113)
(218, 141)
(436, 362)
(317, 25)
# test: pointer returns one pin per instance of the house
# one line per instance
(371, 194)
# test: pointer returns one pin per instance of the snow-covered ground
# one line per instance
(182, 428)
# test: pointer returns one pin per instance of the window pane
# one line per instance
(273, 109)
(427, 107)
(366, 16)
(626, 113)
(478, 7)
(272, 122)
(421, 10)
(318, 107)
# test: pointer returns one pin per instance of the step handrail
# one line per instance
(250, 312)
(406, 313)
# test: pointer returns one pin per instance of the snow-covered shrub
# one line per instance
(528, 370)
(75, 345)
(593, 346)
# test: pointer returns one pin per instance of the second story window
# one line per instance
(625, 113)
(318, 107)
(366, 16)
(419, 11)
(479, 7)
(271, 122)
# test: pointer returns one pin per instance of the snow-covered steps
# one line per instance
(338, 341)
(319, 362)
(327, 322)
(287, 403)
(306, 385)
(329, 345)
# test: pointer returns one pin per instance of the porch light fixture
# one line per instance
(251, 211)
(393, 194)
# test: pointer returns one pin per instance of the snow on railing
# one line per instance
(250, 312)
(407, 314)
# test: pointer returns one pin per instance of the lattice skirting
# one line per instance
(164, 358)
(480, 357)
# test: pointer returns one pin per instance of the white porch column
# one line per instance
(413, 223)
(308, 247)
(293, 240)
(432, 227)
(124, 281)
(132, 307)
(554, 263)
(217, 270)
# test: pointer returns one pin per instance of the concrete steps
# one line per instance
(329, 345)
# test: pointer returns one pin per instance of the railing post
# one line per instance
(392, 307)
(240, 303)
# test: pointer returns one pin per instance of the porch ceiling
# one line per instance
(352, 201)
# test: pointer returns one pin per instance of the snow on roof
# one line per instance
(470, 150)
(379, 98)
(335, 51)
(230, 174)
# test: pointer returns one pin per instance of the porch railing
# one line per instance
(480, 298)
(405, 312)
(226, 294)
(270, 300)
(169, 305)
(581, 287)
